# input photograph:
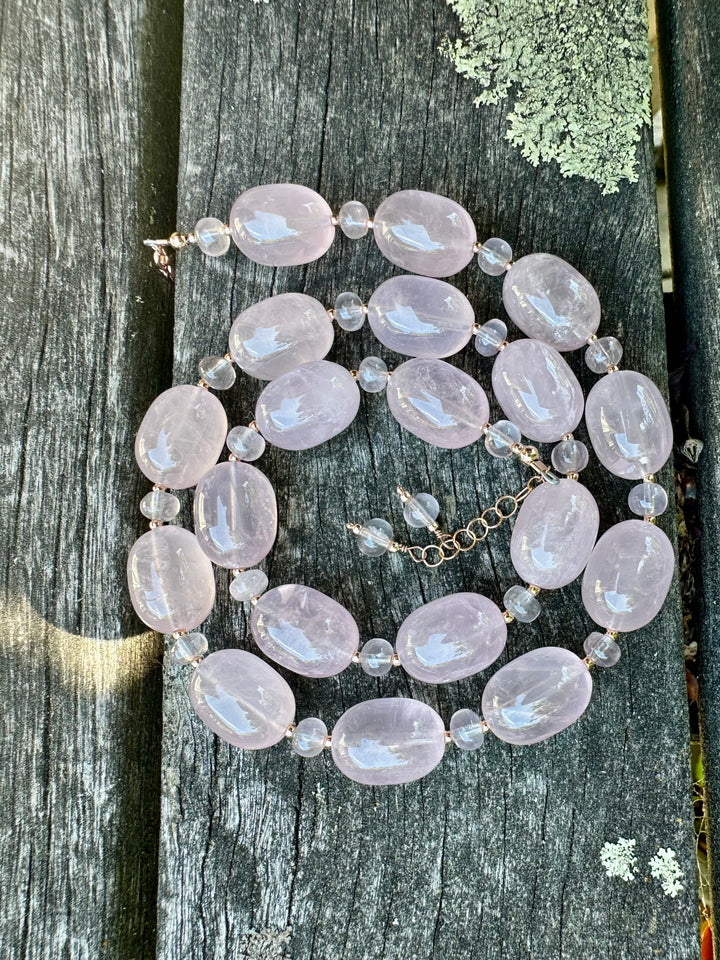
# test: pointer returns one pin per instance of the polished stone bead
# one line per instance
(494, 256)
(602, 649)
(648, 499)
(309, 737)
(281, 224)
(450, 638)
(554, 534)
(537, 390)
(629, 424)
(242, 699)
(466, 730)
(217, 372)
(569, 456)
(181, 436)
(425, 233)
(523, 605)
(489, 337)
(550, 300)
(349, 311)
(372, 374)
(191, 646)
(171, 581)
(212, 237)
(376, 657)
(388, 741)
(160, 505)
(421, 510)
(307, 406)
(501, 437)
(537, 695)
(628, 576)
(438, 403)
(603, 353)
(245, 443)
(353, 219)
(248, 584)
(420, 316)
(375, 537)
(235, 515)
(304, 630)
(279, 334)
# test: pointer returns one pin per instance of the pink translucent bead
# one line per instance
(628, 576)
(235, 515)
(281, 224)
(181, 436)
(388, 741)
(554, 534)
(537, 695)
(242, 699)
(171, 581)
(425, 233)
(437, 402)
(451, 638)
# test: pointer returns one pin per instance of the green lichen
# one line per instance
(577, 70)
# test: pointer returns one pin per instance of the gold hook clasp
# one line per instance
(162, 256)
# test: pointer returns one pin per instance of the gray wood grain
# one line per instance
(689, 35)
(88, 126)
(495, 854)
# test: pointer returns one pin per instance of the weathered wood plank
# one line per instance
(496, 854)
(88, 125)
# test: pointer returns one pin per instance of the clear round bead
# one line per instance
(522, 604)
(501, 437)
(211, 236)
(603, 353)
(648, 499)
(189, 647)
(160, 505)
(494, 256)
(489, 337)
(353, 219)
(217, 372)
(349, 311)
(466, 730)
(246, 444)
(602, 649)
(376, 657)
(372, 375)
(248, 584)
(375, 537)
(421, 510)
(569, 456)
(309, 737)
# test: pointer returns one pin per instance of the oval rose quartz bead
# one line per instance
(171, 581)
(281, 224)
(307, 405)
(628, 424)
(549, 300)
(304, 630)
(554, 534)
(280, 333)
(537, 695)
(437, 402)
(235, 515)
(424, 233)
(628, 575)
(421, 316)
(242, 699)
(393, 740)
(451, 638)
(181, 436)
(537, 390)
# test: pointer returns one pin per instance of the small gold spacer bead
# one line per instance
(404, 494)
(353, 374)
(613, 634)
(448, 737)
(592, 338)
(334, 220)
(531, 588)
(573, 476)
(158, 486)
(228, 357)
(649, 477)
(355, 657)
(237, 571)
(290, 730)
(501, 346)
(331, 313)
(507, 616)
(179, 633)
(613, 368)
(588, 662)
(370, 223)
(395, 660)
(202, 383)
(154, 524)
(354, 527)
(477, 247)
(254, 600)
(253, 426)
(649, 519)
(328, 741)
(567, 436)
